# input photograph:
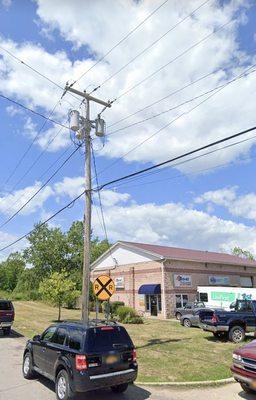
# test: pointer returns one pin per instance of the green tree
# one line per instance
(48, 250)
(10, 271)
(238, 251)
(58, 289)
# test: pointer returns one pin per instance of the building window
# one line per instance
(246, 281)
(159, 303)
(203, 297)
(181, 300)
(147, 302)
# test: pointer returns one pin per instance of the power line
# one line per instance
(33, 111)
(142, 171)
(29, 147)
(41, 187)
(151, 45)
(44, 222)
(177, 118)
(180, 104)
(119, 42)
(172, 61)
(34, 70)
(132, 175)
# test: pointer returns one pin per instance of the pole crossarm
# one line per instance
(88, 96)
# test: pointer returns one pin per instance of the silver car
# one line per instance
(189, 320)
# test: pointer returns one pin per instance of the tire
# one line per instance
(119, 388)
(6, 331)
(236, 334)
(187, 323)
(27, 367)
(178, 316)
(62, 386)
(247, 389)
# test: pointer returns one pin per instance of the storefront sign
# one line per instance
(182, 280)
(119, 282)
(219, 280)
(223, 296)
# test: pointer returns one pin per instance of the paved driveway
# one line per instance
(14, 387)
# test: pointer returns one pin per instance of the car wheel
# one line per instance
(178, 316)
(236, 334)
(187, 323)
(62, 386)
(247, 389)
(6, 331)
(27, 367)
(119, 388)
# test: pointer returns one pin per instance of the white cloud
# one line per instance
(109, 198)
(86, 23)
(238, 205)
(11, 202)
(70, 187)
(175, 225)
(6, 239)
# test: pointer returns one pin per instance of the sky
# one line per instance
(181, 74)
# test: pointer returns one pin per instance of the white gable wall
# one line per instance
(123, 256)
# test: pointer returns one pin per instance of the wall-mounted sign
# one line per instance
(219, 280)
(119, 282)
(182, 280)
(142, 300)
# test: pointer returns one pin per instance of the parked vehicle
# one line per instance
(244, 367)
(6, 316)
(189, 308)
(235, 323)
(196, 318)
(221, 297)
(80, 358)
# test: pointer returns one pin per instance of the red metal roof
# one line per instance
(176, 253)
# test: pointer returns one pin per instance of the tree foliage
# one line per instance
(58, 289)
(10, 271)
(238, 251)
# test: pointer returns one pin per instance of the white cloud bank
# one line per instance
(238, 205)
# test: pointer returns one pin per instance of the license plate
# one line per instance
(112, 359)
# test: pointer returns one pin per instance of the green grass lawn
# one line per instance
(166, 350)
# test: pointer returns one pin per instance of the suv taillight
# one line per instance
(214, 319)
(134, 355)
(81, 362)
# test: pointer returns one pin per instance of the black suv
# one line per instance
(80, 358)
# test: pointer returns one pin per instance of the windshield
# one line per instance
(107, 338)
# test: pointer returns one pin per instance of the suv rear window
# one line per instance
(107, 338)
(5, 305)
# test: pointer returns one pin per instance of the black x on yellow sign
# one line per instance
(103, 287)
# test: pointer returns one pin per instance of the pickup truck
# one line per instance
(6, 316)
(233, 324)
(244, 367)
(189, 308)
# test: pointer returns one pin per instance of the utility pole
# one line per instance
(83, 128)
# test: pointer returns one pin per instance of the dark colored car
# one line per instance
(244, 367)
(6, 316)
(233, 324)
(80, 358)
(189, 308)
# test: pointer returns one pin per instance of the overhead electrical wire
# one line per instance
(171, 61)
(33, 111)
(41, 188)
(139, 172)
(179, 105)
(151, 45)
(118, 43)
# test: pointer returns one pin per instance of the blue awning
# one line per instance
(150, 289)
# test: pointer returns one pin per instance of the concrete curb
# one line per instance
(188, 384)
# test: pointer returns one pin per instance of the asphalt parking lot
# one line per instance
(14, 387)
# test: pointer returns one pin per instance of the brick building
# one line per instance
(155, 279)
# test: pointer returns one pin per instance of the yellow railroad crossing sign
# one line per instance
(103, 287)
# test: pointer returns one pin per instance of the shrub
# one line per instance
(124, 312)
(133, 320)
(114, 307)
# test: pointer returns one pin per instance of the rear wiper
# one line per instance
(120, 346)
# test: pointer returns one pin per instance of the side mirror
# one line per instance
(37, 338)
